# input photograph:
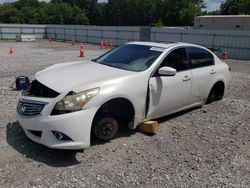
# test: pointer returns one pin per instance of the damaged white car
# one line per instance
(68, 103)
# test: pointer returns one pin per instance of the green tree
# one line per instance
(79, 16)
(64, 13)
(93, 9)
(30, 16)
(188, 12)
(230, 7)
(10, 14)
(244, 6)
(114, 12)
(27, 3)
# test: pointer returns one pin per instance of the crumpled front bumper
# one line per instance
(76, 126)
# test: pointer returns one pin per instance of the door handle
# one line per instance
(186, 78)
(212, 71)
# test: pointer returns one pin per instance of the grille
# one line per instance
(39, 90)
(30, 108)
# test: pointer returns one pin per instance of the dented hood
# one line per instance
(69, 76)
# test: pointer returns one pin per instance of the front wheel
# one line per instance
(106, 128)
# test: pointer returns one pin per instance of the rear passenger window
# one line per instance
(200, 57)
(177, 59)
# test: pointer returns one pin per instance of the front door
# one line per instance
(168, 94)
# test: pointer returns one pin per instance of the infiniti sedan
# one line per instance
(68, 103)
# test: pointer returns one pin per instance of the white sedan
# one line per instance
(68, 103)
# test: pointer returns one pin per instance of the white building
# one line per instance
(232, 22)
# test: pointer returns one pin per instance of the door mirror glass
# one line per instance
(167, 71)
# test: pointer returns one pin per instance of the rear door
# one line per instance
(203, 73)
(168, 94)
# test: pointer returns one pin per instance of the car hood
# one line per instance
(70, 76)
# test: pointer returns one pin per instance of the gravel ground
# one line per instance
(202, 147)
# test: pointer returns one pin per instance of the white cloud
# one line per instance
(6, 1)
(213, 4)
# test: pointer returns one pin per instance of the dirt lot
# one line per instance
(202, 147)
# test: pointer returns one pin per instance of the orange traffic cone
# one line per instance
(111, 44)
(11, 51)
(224, 54)
(107, 45)
(82, 51)
(101, 45)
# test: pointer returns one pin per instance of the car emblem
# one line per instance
(23, 108)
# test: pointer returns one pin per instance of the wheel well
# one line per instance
(119, 108)
(219, 88)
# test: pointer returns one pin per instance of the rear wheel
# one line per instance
(211, 96)
(105, 128)
(216, 93)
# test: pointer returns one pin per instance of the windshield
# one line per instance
(131, 57)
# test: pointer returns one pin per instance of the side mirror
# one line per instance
(94, 60)
(167, 71)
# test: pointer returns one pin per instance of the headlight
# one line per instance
(74, 101)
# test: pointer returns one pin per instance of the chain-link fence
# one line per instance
(236, 42)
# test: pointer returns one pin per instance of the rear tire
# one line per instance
(211, 96)
(216, 93)
(105, 128)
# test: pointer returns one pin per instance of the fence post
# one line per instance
(214, 35)
(154, 36)
(117, 42)
(75, 38)
(87, 37)
(55, 33)
(181, 37)
(46, 32)
(145, 33)
(64, 29)
(1, 33)
(101, 34)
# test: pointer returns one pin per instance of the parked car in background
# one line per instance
(68, 103)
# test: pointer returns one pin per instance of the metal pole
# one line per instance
(87, 32)
(64, 34)
(1, 33)
(117, 42)
(75, 34)
(46, 32)
(181, 37)
(214, 35)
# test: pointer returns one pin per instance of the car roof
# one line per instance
(165, 44)
(155, 44)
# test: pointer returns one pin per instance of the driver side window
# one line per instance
(176, 59)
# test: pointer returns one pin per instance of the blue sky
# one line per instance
(210, 4)
(213, 4)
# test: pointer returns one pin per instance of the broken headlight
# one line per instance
(74, 101)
